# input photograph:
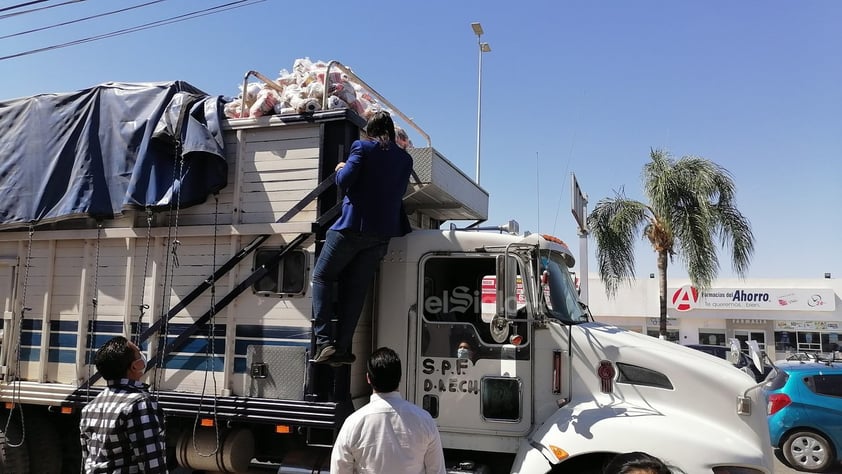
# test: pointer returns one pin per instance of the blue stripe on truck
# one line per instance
(64, 335)
(65, 356)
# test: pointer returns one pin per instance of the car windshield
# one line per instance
(559, 296)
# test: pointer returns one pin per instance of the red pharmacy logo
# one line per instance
(685, 297)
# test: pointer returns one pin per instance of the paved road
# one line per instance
(780, 468)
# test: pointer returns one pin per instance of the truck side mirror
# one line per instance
(756, 354)
(734, 352)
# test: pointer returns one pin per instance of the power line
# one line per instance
(21, 5)
(7, 15)
(146, 26)
(79, 20)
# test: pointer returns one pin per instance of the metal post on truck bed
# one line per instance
(382, 99)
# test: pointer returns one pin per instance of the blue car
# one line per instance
(805, 413)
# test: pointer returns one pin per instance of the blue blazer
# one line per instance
(374, 181)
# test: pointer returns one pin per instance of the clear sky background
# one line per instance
(578, 87)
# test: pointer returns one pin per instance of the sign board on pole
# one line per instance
(579, 204)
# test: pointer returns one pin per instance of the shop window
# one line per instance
(785, 341)
(713, 338)
(830, 342)
(809, 341)
(745, 335)
(672, 334)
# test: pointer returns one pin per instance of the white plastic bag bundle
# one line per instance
(304, 105)
(316, 90)
(291, 92)
(334, 102)
(233, 109)
(252, 89)
(285, 78)
(302, 90)
(265, 103)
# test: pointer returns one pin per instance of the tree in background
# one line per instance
(690, 207)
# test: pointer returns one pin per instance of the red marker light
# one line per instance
(552, 238)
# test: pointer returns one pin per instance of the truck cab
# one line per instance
(546, 388)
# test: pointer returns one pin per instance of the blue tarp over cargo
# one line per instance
(100, 151)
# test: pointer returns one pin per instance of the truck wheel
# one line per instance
(43, 442)
(808, 451)
(12, 459)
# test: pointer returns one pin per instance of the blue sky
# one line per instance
(569, 86)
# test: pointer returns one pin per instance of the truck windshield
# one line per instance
(560, 297)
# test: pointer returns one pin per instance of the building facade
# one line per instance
(784, 316)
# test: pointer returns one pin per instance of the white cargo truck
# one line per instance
(205, 259)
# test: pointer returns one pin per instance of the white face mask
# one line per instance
(463, 353)
(143, 358)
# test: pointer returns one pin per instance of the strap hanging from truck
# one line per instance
(141, 306)
(173, 242)
(16, 389)
(210, 355)
(91, 323)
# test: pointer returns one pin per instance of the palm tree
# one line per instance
(691, 206)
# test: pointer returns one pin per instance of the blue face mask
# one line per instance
(463, 353)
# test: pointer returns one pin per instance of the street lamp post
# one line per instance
(483, 48)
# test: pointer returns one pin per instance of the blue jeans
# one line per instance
(341, 279)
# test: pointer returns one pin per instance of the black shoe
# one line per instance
(323, 353)
(343, 357)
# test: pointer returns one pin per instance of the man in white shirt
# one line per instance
(389, 434)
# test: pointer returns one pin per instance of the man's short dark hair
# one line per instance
(384, 370)
(380, 124)
(114, 358)
(634, 462)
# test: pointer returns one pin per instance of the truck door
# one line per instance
(471, 377)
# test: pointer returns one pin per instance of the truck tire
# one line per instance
(43, 442)
(808, 451)
(12, 459)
